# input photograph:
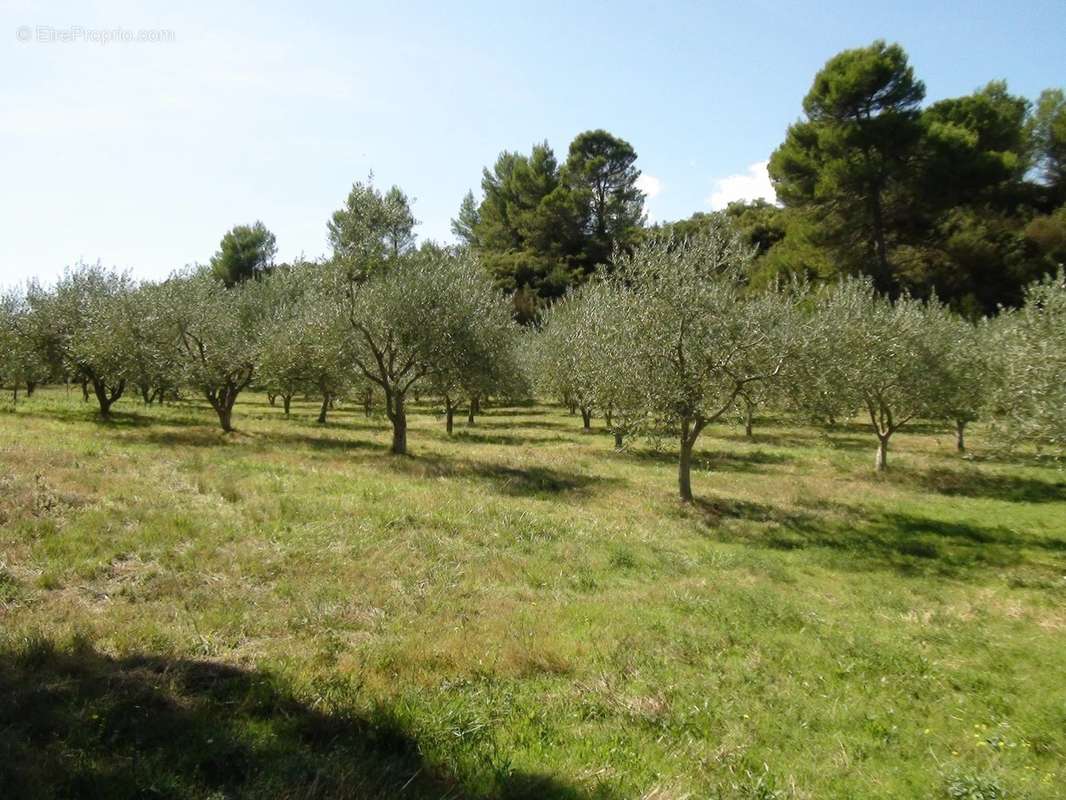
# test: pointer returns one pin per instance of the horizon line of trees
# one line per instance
(668, 342)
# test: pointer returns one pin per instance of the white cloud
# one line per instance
(751, 185)
(649, 184)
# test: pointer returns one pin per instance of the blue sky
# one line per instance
(141, 154)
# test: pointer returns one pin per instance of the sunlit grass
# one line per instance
(519, 611)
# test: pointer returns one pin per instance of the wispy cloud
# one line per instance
(751, 185)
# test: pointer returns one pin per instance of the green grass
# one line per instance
(518, 611)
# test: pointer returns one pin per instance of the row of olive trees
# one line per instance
(673, 340)
(430, 322)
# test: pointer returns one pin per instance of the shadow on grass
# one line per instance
(563, 424)
(908, 543)
(526, 481)
(474, 436)
(119, 419)
(715, 460)
(76, 723)
(981, 483)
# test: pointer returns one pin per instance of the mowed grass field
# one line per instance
(518, 611)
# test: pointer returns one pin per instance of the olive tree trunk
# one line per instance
(223, 400)
(397, 413)
(586, 419)
(449, 415)
(881, 460)
(106, 398)
(690, 431)
(960, 435)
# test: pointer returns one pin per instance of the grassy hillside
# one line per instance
(518, 611)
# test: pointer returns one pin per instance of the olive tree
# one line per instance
(22, 364)
(302, 341)
(880, 358)
(402, 323)
(1029, 356)
(480, 353)
(217, 329)
(281, 370)
(151, 346)
(965, 374)
(566, 367)
(85, 322)
(585, 341)
(697, 337)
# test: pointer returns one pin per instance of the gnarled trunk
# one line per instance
(271, 398)
(747, 417)
(85, 390)
(325, 407)
(286, 403)
(223, 401)
(960, 435)
(106, 398)
(30, 386)
(472, 410)
(586, 419)
(368, 401)
(619, 443)
(225, 417)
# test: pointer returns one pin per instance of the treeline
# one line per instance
(668, 342)
(964, 196)
(542, 228)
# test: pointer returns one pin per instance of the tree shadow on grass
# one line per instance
(543, 424)
(907, 543)
(513, 411)
(119, 419)
(474, 436)
(982, 483)
(715, 460)
(75, 723)
(525, 481)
